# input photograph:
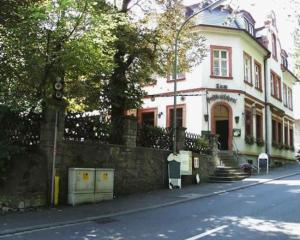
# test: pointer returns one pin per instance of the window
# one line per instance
(249, 27)
(274, 47)
(291, 137)
(221, 62)
(259, 132)
(286, 135)
(290, 98)
(274, 131)
(257, 75)
(279, 132)
(147, 116)
(285, 101)
(275, 86)
(248, 122)
(284, 62)
(179, 77)
(180, 116)
(247, 69)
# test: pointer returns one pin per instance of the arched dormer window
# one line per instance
(274, 47)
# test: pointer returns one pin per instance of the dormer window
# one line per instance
(274, 47)
(284, 62)
(249, 27)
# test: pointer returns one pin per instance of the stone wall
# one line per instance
(25, 186)
(136, 169)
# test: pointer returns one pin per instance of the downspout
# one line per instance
(266, 104)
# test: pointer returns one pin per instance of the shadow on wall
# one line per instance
(25, 185)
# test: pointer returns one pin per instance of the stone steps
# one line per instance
(229, 171)
(227, 174)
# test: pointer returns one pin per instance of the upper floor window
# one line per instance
(249, 27)
(274, 47)
(275, 86)
(221, 62)
(285, 98)
(290, 98)
(284, 62)
(257, 75)
(179, 77)
(247, 69)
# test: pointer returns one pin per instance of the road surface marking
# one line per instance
(209, 232)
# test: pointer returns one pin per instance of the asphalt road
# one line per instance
(267, 211)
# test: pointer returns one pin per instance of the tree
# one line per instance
(69, 39)
(145, 47)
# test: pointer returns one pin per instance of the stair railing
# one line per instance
(235, 151)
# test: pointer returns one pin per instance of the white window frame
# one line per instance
(257, 76)
(220, 60)
(247, 68)
(285, 95)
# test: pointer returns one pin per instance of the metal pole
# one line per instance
(175, 68)
(208, 117)
(175, 98)
(54, 158)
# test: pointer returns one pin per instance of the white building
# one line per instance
(248, 84)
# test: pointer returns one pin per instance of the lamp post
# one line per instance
(175, 69)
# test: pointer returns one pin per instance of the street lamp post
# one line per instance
(175, 69)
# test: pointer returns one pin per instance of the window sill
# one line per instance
(177, 80)
(278, 99)
(220, 77)
(248, 83)
(259, 89)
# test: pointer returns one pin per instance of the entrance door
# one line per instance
(221, 124)
(222, 131)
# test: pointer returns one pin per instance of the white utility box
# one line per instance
(104, 184)
(81, 185)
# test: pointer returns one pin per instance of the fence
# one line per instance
(20, 128)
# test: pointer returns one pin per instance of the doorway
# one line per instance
(222, 124)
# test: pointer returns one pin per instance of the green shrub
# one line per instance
(249, 139)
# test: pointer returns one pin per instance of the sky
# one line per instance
(286, 22)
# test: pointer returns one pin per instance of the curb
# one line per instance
(41, 227)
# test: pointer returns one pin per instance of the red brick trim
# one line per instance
(169, 107)
(229, 50)
(146, 110)
(213, 121)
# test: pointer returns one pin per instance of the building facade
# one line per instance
(241, 91)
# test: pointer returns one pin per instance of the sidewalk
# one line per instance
(67, 215)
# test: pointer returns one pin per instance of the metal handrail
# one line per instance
(236, 151)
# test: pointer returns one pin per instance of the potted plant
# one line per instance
(260, 142)
(249, 139)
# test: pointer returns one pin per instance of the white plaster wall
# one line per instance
(199, 77)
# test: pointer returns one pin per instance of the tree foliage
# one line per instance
(103, 52)
(55, 39)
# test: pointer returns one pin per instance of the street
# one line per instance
(267, 211)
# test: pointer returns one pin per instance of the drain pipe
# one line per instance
(266, 104)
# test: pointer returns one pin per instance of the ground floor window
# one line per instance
(259, 127)
(286, 135)
(147, 117)
(291, 137)
(277, 132)
(180, 116)
(248, 122)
